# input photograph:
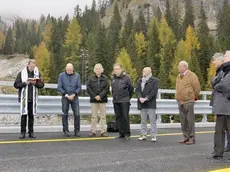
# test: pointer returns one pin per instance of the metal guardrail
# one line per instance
(54, 86)
(52, 104)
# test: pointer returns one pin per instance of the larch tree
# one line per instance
(124, 59)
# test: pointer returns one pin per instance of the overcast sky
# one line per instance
(34, 8)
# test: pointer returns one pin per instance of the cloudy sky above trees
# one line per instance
(33, 9)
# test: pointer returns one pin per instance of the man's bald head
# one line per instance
(227, 56)
(69, 68)
(146, 71)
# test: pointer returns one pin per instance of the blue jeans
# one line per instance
(65, 109)
(228, 140)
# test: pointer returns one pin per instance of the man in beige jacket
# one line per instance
(187, 92)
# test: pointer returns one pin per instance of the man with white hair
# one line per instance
(69, 85)
(187, 91)
(98, 89)
(220, 107)
(217, 61)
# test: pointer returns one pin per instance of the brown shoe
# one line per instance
(190, 142)
(104, 134)
(184, 141)
(92, 134)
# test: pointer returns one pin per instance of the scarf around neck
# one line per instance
(144, 80)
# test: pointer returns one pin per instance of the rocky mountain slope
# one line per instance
(11, 65)
(135, 6)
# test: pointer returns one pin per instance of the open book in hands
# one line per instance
(33, 79)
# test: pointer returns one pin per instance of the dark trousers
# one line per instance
(228, 138)
(122, 118)
(222, 125)
(65, 109)
(187, 119)
(30, 121)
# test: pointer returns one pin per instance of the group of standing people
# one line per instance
(188, 88)
(122, 91)
(29, 80)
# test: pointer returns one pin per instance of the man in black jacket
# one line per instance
(146, 91)
(98, 89)
(28, 81)
(122, 91)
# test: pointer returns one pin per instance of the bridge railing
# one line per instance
(52, 104)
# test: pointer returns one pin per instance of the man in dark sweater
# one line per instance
(122, 90)
(28, 81)
(69, 85)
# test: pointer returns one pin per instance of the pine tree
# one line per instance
(128, 27)
(140, 24)
(168, 43)
(158, 14)
(77, 13)
(103, 8)
(141, 53)
(154, 47)
(18, 37)
(95, 16)
(65, 23)
(9, 43)
(189, 15)
(90, 46)
(55, 47)
(206, 44)
(176, 19)
(125, 60)
(113, 34)
(168, 14)
(2, 39)
(101, 51)
(131, 47)
(72, 42)
(223, 21)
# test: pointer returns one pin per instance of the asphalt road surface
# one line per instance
(52, 152)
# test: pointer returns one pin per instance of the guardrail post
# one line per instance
(204, 119)
(159, 121)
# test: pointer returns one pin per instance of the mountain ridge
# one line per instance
(135, 6)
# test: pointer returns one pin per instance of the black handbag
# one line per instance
(112, 126)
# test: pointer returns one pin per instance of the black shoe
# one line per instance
(23, 135)
(227, 149)
(214, 157)
(127, 137)
(77, 134)
(120, 137)
(66, 133)
(31, 135)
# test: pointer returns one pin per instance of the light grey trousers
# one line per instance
(152, 118)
